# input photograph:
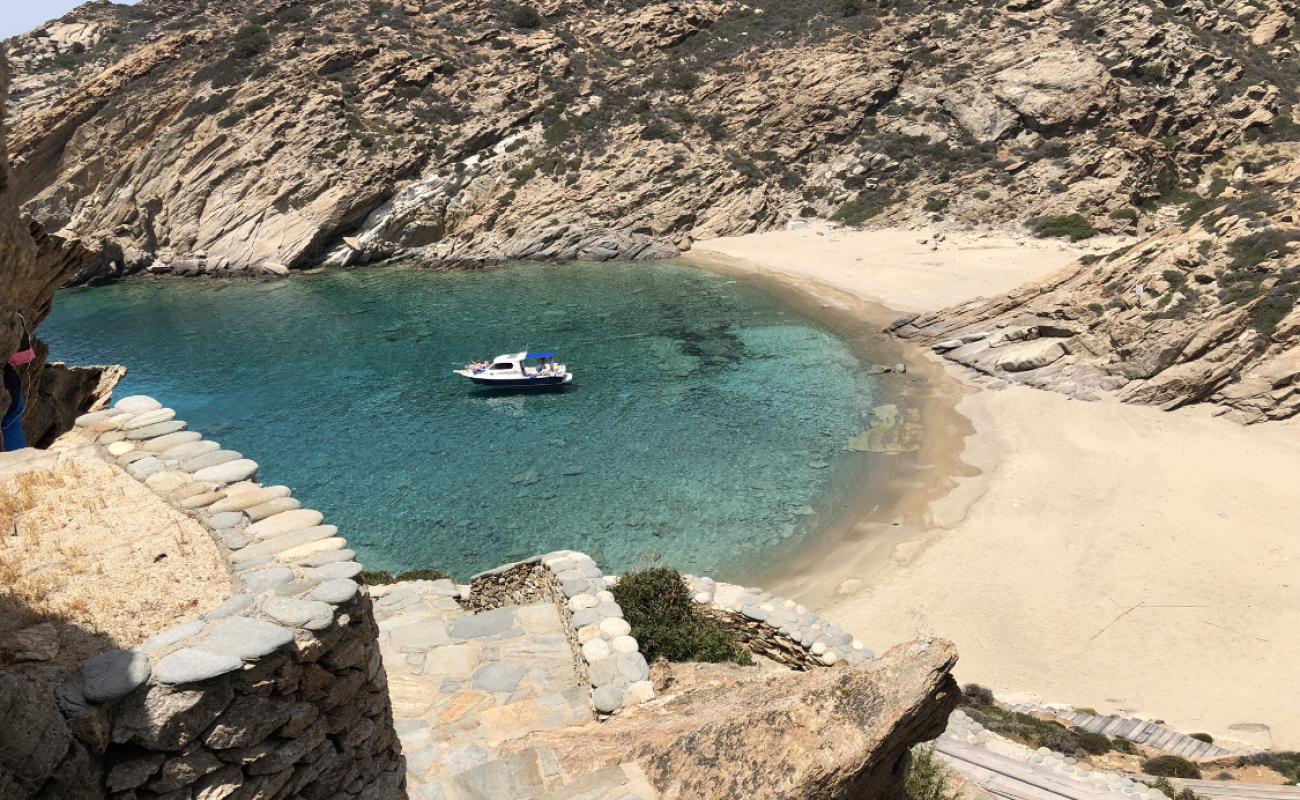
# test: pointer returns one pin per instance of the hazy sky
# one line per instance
(20, 16)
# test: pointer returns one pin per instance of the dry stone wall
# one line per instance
(776, 627)
(278, 692)
(604, 651)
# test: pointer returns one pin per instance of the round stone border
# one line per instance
(293, 573)
(778, 627)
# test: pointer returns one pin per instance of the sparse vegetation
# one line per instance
(863, 207)
(929, 778)
(382, 577)
(1027, 729)
(1073, 226)
(525, 16)
(1170, 766)
(1284, 762)
(657, 604)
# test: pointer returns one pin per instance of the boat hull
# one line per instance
(522, 383)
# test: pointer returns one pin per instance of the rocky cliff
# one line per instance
(33, 265)
(212, 136)
(1204, 310)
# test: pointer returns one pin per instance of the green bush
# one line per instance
(929, 778)
(526, 17)
(1124, 746)
(1124, 214)
(936, 204)
(862, 208)
(1170, 767)
(1202, 737)
(1171, 791)
(381, 577)
(977, 695)
(1096, 744)
(666, 624)
(983, 194)
(1283, 762)
(1071, 225)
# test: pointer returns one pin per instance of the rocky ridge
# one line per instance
(224, 137)
(1204, 310)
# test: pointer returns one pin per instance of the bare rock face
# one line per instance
(1205, 310)
(259, 137)
(32, 266)
(720, 731)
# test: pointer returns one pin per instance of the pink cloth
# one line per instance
(22, 357)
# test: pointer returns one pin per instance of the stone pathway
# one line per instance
(462, 684)
(1011, 770)
(1150, 734)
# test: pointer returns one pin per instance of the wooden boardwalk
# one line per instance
(1138, 730)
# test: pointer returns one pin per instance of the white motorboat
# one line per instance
(514, 371)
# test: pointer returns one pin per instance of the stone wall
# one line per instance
(604, 652)
(277, 692)
(777, 628)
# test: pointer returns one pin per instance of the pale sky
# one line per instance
(20, 16)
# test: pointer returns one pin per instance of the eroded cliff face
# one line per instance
(1204, 310)
(257, 136)
(32, 266)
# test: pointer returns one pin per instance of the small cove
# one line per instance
(707, 428)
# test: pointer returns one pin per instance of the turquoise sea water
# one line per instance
(706, 427)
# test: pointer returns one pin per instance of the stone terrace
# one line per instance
(525, 650)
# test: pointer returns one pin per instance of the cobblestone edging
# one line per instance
(605, 653)
(777, 628)
(278, 691)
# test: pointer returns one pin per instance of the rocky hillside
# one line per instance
(264, 135)
(1204, 310)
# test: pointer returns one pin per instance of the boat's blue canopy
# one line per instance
(540, 355)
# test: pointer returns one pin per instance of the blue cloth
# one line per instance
(11, 426)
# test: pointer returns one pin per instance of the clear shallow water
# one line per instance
(706, 427)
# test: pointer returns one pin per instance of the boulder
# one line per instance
(826, 733)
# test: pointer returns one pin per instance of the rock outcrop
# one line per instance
(1204, 310)
(223, 137)
(33, 265)
(716, 731)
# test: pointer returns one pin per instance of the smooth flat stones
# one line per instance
(238, 501)
(244, 637)
(167, 482)
(137, 403)
(231, 607)
(211, 459)
(116, 449)
(264, 579)
(327, 558)
(195, 501)
(190, 665)
(182, 452)
(607, 699)
(311, 615)
(155, 430)
(281, 545)
(229, 472)
(173, 635)
(285, 522)
(114, 674)
(170, 440)
(226, 519)
(341, 569)
(339, 590)
(320, 546)
(272, 507)
(148, 418)
(144, 467)
(499, 678)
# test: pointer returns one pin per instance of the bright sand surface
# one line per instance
(1105, 555)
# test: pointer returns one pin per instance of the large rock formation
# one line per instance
(33, 265)
(716, 731)
(1204, 310)
(268, 135)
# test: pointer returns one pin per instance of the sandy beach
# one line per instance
(1098, 554)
